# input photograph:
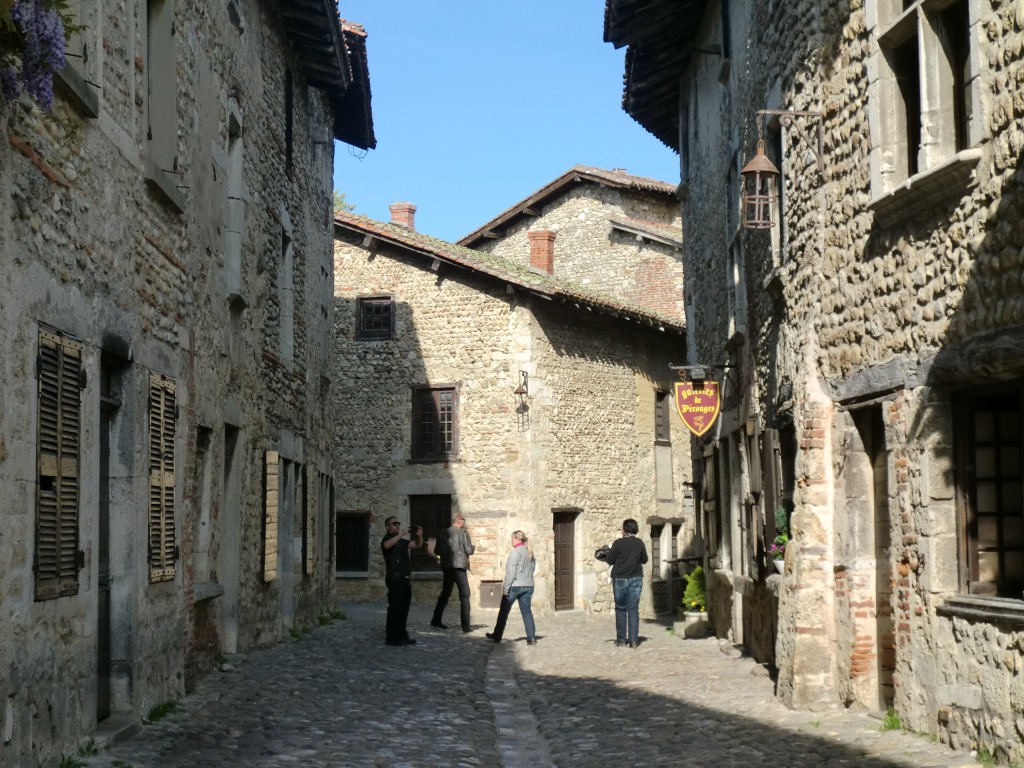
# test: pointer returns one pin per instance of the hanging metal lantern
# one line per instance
(760, 190)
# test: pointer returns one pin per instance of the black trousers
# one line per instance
(454, 577)
(399, 599)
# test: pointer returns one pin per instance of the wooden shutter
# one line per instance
(271, 508)
(57, 461)
(309, 507)
(162, 431)
(772, 481)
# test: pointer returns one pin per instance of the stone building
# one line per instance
(165, 300)
(434, 340)
(873, 330)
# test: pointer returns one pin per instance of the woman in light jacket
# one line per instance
(517, 587)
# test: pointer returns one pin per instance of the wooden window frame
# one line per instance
(349, 567)
(271, 513)
(429, 430)
(60, 376)
(163, 414)
(966, 407)
(366, 329)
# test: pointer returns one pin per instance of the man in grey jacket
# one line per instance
(453, 549)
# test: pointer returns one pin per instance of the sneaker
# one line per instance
(531, 642)
(439, 625)
(395, 642)
(410, 641)
(491, 636)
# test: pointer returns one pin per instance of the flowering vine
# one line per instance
(32, 39)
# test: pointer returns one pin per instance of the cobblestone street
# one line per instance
(339, 696)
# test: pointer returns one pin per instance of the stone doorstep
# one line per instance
(115, 729)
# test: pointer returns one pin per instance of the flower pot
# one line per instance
(780, 565)
(693, 624)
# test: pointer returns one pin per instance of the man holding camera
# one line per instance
(398, 572)
(453, 549)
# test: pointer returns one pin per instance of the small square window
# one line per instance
(375, 317)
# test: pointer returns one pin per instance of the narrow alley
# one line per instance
(338, 696)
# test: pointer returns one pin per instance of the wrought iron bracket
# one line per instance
(789, 118)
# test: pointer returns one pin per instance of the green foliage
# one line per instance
(892, 721)
(695, 594)
(68, 761)
(340, 204)
(118, 763)
(160, 711)
(88, 749)
(777, 549)
(338, 614)
(985, 757)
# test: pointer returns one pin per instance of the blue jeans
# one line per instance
(627, 608)
(524, 595)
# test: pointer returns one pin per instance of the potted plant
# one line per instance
(777, 550)
(694, 607)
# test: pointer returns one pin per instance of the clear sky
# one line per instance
(478, 103)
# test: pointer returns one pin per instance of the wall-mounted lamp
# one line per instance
(760, 176)
(522, 392)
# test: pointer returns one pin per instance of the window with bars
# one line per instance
(656, 531)
(435, 423)
(351, 542)
(163, 549)
(57, 461)
(989, 466)
(375, 317)
(433, 513)
(662, 418)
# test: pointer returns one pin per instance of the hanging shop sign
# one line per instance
(698, 404)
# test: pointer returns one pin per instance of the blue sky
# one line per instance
(478, 103)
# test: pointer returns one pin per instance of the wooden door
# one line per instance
(565, 558)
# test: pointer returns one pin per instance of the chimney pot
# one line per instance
(542, 250)
(403, 215)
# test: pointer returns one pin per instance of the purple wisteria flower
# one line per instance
(42, 32)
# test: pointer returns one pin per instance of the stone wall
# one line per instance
(591, 394)
(96, 252)
(852, 308)
(589, 252)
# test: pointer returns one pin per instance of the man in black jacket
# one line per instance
(453, 548)
(398, 572)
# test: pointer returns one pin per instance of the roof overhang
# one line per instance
(333, 58)
(660, 35)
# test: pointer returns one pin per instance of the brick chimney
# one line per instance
(542, 250)
(404, 215)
